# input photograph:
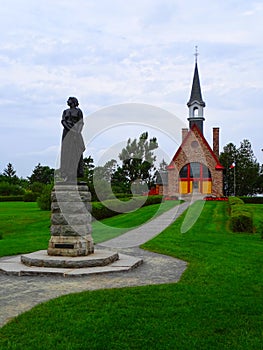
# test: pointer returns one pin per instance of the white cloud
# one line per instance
(108, 53)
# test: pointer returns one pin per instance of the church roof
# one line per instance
(180, 149)
(196, 95)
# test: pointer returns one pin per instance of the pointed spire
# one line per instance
(196, 95)
(196, 104)
(196, 53)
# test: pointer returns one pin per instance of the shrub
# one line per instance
(37, 187)
(30, 196)
(44, 200)
(112, 207)
(241, 219)
(100, 211)
(153, 200)
(7, 189)
(235, 201)
(240, 209)
(260, 229)
(120, 196)
(252, 200)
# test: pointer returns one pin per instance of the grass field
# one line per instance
(25, 228)
(218, 303)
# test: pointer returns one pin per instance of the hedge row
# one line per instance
(112, 207)
(18, 198)
(252, 200)
(27, 197)
(241, 219)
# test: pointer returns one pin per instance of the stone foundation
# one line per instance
(70, 221)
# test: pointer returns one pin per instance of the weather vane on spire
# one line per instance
(196, 53)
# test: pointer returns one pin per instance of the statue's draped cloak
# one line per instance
(72, 144)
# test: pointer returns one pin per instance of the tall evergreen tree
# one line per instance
(247, 170)
(241, 176)
(9, 171)
(9, 174)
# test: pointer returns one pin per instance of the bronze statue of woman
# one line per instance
(71, 163)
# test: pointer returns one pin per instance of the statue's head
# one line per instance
(73, 102)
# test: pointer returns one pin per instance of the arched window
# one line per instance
(195, 176)
(195, 111)
(195, 170)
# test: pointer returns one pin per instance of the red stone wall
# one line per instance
(194, 149)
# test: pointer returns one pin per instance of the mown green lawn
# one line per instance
(25, 228)
(218, 303)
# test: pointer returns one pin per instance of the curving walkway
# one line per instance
(19, 294)
(144, 233)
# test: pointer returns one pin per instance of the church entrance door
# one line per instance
(195, 177)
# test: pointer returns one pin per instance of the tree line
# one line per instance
(136, 168)
(243, 175)
(136, 172)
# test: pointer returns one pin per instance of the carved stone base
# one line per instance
(70, 221)
(70, 245)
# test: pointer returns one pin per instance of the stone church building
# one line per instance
(195, 167)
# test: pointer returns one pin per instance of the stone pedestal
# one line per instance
(70, 221)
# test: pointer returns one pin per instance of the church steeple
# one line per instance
(196, 103)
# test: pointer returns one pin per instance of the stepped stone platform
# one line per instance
(40, 263)
(41, 259)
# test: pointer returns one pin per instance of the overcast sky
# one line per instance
(113, 52)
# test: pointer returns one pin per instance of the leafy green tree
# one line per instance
(138, 159)
(109, 169)
(106, 171)
(88, 167)
(44, 199)
(260, 181)
(43, 174)
(227, 158)
(119, 182)
(37, 187)
(102, 177)
(9, 189)
(247, 170)
(242, 172)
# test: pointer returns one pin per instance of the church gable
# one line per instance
(195, 167)
(195, 148)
